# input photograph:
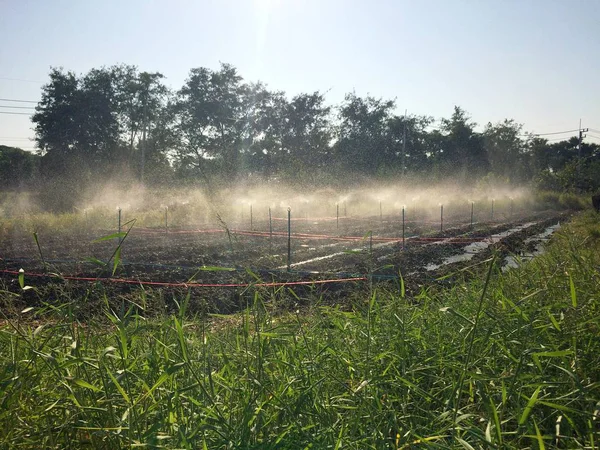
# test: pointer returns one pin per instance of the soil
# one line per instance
(334, 249)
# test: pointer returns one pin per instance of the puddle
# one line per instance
(477, 247)
(321, 258)
(514, 261)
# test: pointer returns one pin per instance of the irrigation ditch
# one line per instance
(221, 268)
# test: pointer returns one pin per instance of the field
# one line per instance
(215, 257)
(196, 334)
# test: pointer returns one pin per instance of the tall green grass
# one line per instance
(509, 360)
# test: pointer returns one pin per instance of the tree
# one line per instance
(307, 135)
(361, 145)
(18, 168)
(461, 154)
(209, 114)
(506, 151)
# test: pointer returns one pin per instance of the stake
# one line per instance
(492, 209)
(270, 224)
(472, 206)
(119, 223)
(251, 224)
(270, 232)
(403, 243)
(166, 219)
(289, 249)
(441, 218)
(380, 212)
(337, 216)
(511, 207)
(345, 215)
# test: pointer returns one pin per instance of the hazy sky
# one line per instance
(536, 61)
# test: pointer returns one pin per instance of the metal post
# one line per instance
(337, 216)
(166, 219)
(345, 215)
(119, 223)
(270, 224)
(251, 218)
(270, 231)
(403, 242)
(380, 212)
(492, 209)
(472, 207)
(511, 207)
(441, 218)
(289, 248)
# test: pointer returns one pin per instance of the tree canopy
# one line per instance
(127, 123)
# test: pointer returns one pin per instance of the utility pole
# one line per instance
(581, 136)
(404, 145)
(144, 142)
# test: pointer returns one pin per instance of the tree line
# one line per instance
(217, 126)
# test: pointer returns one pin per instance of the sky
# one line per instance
(534, 61)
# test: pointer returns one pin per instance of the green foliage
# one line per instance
(18, 168)
(510, 361)
(218, 127)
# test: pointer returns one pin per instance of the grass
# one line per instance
(509, 360)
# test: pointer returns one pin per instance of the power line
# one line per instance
(10, 138)
(18, 101)
(556, 132)
(17, 107)
(16, 113)
(21, 79)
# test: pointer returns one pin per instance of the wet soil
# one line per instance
(334, 249)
